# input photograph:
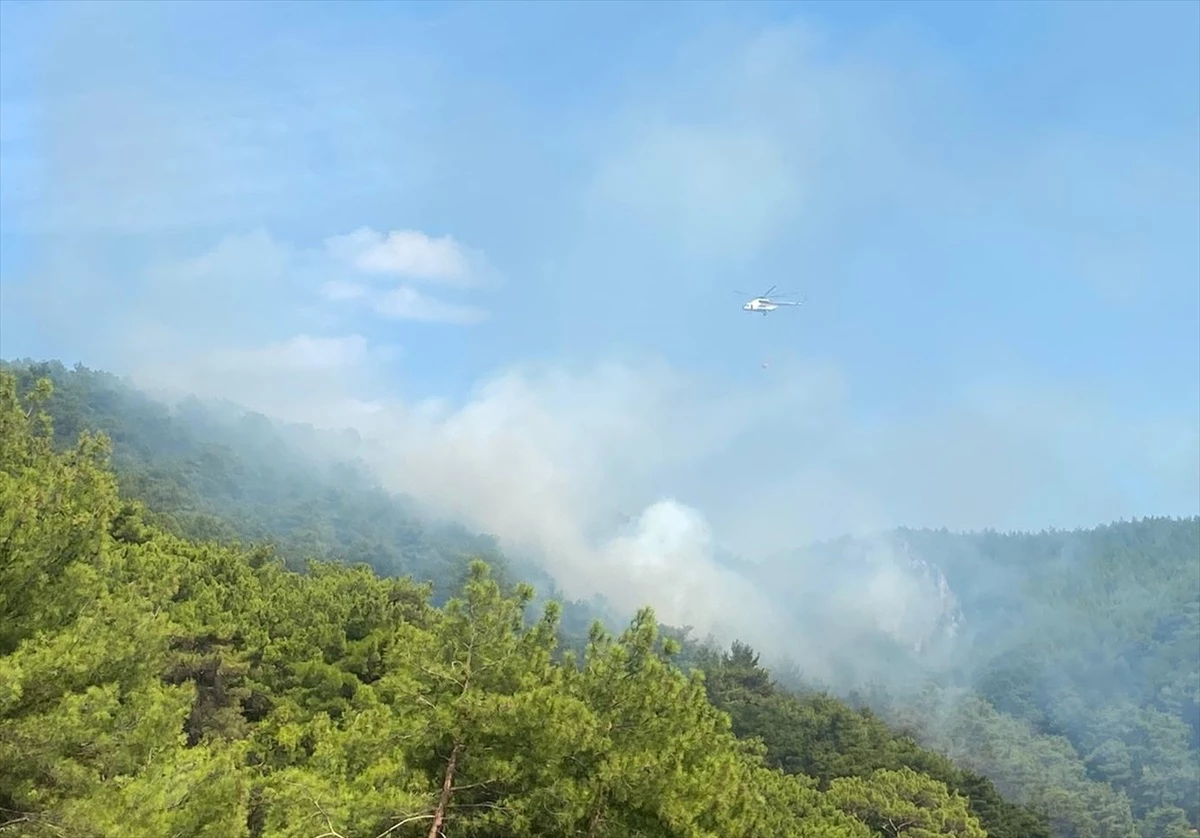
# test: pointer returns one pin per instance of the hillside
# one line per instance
(209, 471)
(1069, 675)
(1065, 666)
(225, 475)
(159, 686)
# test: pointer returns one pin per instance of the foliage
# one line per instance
(816, 735)
(225, 475)
(1086, 649)
(155, 685)
(156, 655)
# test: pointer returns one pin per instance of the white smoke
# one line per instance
(628, 483)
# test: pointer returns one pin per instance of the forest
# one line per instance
(204, 633)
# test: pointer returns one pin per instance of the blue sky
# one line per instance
(991, 209)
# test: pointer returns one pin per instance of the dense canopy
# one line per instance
(200, 638)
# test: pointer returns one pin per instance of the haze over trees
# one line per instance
(203, 633)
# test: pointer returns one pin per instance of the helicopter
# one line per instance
(763, 303)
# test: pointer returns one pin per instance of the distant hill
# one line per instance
(1092, 636)
(1056, 663)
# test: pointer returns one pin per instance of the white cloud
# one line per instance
(405, 303)
(409, 254)
(340, 290)
(254, 283)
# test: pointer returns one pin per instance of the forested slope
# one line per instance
(816, 735)
(235, 477)
(1090, 638)
(1073, 675)
(228, 476)
(1076, 691)
(152, 686)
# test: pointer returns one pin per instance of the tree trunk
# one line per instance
(594, 825)
(439, 814)
(596, 818)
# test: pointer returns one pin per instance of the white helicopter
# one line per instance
(763, 303)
